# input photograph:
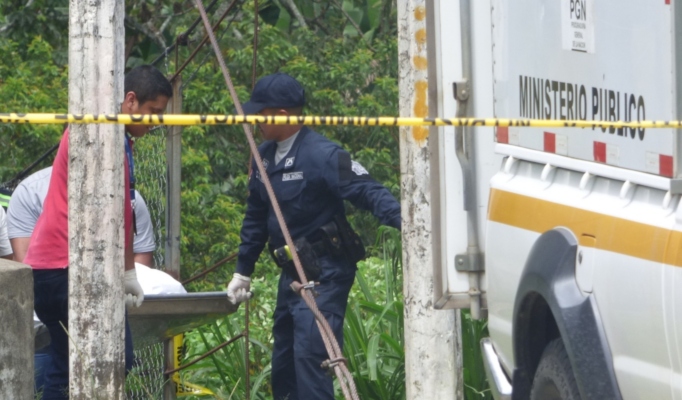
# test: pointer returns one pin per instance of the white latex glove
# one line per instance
(239, 289)
(133, 290)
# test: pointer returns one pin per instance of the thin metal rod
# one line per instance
(21, 175)
(247, 343)
(203, 41)
(182, 35)
(211, 269)
(208, 353)
(247, 354)
(327, 334)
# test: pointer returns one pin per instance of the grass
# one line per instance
(475, 383)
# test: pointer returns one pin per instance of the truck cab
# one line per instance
(568, 239)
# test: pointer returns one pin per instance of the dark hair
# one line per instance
(147, 83)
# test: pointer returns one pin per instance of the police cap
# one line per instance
(278, 90)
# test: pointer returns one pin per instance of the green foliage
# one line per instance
(211, 220)
(346, 60)
(475, 383)
(343, 77)
(22, 21)
(30, 81)
(373, 332)
(225, 372)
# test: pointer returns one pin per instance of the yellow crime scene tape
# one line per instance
(197, 119)
(184, 388)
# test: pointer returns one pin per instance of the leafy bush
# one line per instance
(30, 81)
(373, 334)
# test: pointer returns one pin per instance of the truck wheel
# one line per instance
(554, 378)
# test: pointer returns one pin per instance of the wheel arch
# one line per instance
(549, 304)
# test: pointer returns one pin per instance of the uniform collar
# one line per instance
(289, 161)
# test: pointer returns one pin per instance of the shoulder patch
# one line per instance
(358, 168)
(350, 170)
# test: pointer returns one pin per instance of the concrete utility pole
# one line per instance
(16, 341)
(431, 336)
(96, 196)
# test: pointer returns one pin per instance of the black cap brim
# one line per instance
(253, 107)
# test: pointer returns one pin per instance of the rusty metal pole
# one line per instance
(172, 255)
(173, 171)
(169, 388)
(96, 197)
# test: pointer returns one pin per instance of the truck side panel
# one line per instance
(587, 60)
(623, 229)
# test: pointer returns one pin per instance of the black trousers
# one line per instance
(299, 350)
(51, 292)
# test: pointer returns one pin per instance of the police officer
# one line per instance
(311, 176)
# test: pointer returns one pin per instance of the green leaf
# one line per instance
(270, 13)
(373, 12)
(372, 350)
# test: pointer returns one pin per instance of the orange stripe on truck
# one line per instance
(613, 234)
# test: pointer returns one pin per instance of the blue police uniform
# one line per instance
(310, 184)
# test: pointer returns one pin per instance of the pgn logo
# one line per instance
(578, 9)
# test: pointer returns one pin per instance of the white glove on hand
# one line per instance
(239, 289)
(133, 290)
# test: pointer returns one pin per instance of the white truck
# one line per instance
(570, 240)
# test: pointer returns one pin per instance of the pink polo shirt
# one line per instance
(49, 247)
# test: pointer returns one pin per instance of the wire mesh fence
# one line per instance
(146, 380)
(151, 177)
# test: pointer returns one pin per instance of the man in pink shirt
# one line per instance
(147, 91)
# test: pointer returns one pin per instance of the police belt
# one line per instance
(324, 241)
(335, 238)
(282, 255)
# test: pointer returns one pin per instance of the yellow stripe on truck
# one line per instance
(613, 234)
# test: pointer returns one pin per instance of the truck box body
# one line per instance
(580, 232)
(587, 60)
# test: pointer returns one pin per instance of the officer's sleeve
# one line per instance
(353, 183)
(254, 233)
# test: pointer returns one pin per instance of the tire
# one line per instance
(554, 379)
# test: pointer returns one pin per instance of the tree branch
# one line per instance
(293, 10)
(154, 36)
(348, 17)
(355, 25)
(9, 25)
(165, 23)
(319, 25)
(386, 8)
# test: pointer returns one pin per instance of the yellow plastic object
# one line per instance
(184, 388)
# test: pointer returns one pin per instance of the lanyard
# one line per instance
(131, 169)
(131, 177)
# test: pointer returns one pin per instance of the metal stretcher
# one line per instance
(162, 316)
